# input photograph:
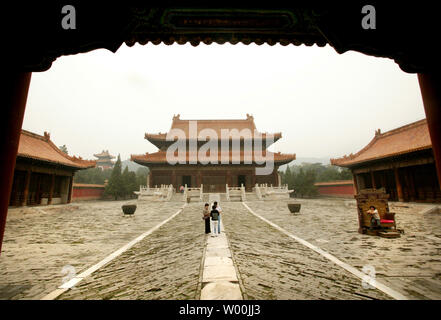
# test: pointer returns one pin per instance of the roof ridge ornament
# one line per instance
(378, 132)
(47, 136)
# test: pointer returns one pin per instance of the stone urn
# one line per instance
(294, 207)
(129, 208)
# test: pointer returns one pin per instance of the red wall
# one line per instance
(345, 190)
(87, 193)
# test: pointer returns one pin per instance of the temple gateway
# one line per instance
(239, 166)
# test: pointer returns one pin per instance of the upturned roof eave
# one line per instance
(355, 163)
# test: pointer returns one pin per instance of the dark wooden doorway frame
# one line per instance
(186, 180)
(241, 179)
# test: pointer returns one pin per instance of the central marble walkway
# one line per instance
(219, 277)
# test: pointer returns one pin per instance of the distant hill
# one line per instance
(298, 161)
(132, 165)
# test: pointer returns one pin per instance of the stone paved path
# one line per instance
(168, 264)
(165, 265)
(273, 266)
(219, 277)
(39, 242)
(410, 264)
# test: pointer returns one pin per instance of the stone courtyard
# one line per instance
(46, 246)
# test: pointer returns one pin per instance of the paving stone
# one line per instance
(222, 290)
(219, 273)
(219, 261)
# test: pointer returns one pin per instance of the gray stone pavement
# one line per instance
(273, 266)
(167, 264)
(40, 241)
(410, 265)
(164, 265)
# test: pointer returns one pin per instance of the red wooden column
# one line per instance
(275, 177)
(430, 86)
(383, 179)
(173, 178)
(412, 190)
(26, 188)
(398, 185)
(15, 93)
(69, 197)
(228, 173)
(198, 179)
(51, 190)
(373, 180)
(354, 178)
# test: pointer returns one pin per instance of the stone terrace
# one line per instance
(410, 264)
(40, 241)
(167, 264)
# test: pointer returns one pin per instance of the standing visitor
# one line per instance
(214, 220)
(219, 209)
(206, 218)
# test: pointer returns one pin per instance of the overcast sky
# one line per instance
(325, 104)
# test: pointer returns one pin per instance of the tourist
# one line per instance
(181, 189)
(206, 218)
(214, 220)
(375, 220)
(219, 209)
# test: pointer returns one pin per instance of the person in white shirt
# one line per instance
(375, 220)
(219, 209)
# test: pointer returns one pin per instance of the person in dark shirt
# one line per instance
(206, 217)
(214, 221)
(219, 209)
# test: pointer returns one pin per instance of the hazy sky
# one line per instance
(325, 104)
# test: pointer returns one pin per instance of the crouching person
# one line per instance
(375, 217)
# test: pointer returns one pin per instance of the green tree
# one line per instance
(301, 178)
(345, 174)
(287, 177)
(125, 181)
(63, 148)
(92, 175)
(129, 182)
(132, 183)
(303, 182)
(141, 176)
(115, 186)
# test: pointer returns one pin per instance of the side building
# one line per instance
(235, 168)
(43, 173)
(399, 160)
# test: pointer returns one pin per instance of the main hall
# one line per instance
(214, 176)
